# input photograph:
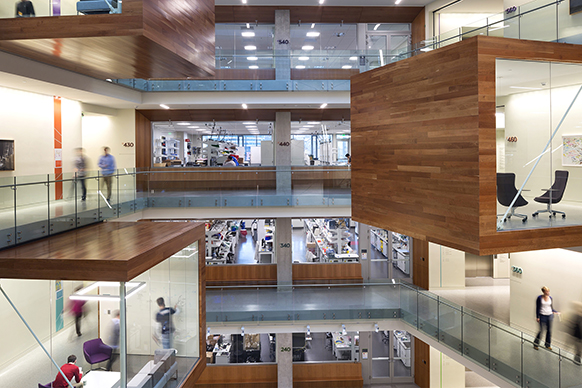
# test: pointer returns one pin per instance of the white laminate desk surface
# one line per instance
(101, 379)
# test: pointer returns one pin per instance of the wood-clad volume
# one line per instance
(143, 141)
(423, 146)
(232, 275)
(110, 251)
(328, 375)
(245, 375)
(307, 273)
(149, 39)
(418, 28)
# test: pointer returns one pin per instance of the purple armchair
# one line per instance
(96, 351)
(49, 385)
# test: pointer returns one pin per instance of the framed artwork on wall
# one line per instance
(6, 155)
(572, 150)
(575, 6)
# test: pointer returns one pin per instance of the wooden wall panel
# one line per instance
(420, 263)
(421, 364)
(143, 141)
(245, 375)
(332, 375)
(317, 14)
(306, 273)
(243, 114)
(415, 155)
(418, 28)
(232, 275)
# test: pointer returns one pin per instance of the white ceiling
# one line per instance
(245, 128)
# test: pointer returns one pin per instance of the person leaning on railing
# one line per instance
(24, 9)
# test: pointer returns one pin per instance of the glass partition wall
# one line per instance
(85, 319)
(539, 144)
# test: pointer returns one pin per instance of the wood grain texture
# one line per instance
(111, 251)
(242, 114)
(141, 42)
(234, 275)
(316, 14)
(328, 375)
(418, 28)
(143, 141)
(433, 174)
(420, 263)
(421, 364)
(308, 273)
(245, 375)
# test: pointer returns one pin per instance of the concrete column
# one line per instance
(283, 248)
(282, 45)
(282, 151)
(284, 360)
(364, 249)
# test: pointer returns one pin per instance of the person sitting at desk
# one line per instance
(24, 9)
(229, 162)
(70, 369)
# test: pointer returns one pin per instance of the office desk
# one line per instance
(101, 379)
(342, 346)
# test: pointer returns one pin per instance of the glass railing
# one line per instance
(38, 206)
(25, 9)
(498, 348)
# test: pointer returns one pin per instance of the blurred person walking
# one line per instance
(544, 316)
(107, 166)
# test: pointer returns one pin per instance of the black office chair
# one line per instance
(506, 191)
(557, 192)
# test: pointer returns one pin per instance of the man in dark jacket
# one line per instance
(24, 9)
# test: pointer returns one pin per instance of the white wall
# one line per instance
(558, 269)
(527, 116)
(466, 7)
(446, 267)
(28, 119)
(111, 131)
(445, 372)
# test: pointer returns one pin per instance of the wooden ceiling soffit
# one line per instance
(111, 251)
(316, 14)
(243, 114)
(147, 40)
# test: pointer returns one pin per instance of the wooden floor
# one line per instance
(111, 251)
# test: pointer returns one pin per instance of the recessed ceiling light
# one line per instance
(353, 58)
(346, 66)
(397, 1)
(308, 126)
(248, 34)
(312, 25)
(248, 25)
(164, 106)
(182, 123)
(323, 105)
(245, 106)
(313, 34)
(303, 58)
(250, 47)
(249, 123)
(376, 26)
(253, 67)
(244, 1)
(252, 58)
(314, 122)
(110, 80)
(193, 127)
(307, 48)
(321, 1)
(300, 67)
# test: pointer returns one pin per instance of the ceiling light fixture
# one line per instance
(192, 127)
(242, 331)
(249, 123)
(323, 105)
(245, 106)
(397, 1)
(253, 67)
(248, 25)
(307, 47)
(376, 26)
(321, 1)
(247, 34)
(344, 331)
(250, 47)
(131, 287)
(300, 67)
(303, 58)
(376, 327)
(312, 25)
(313, 34)
(182, 123)
(252, 58)
(314, 122)
(346, 66)
(244, 1)
(353, 58)
(164, 106)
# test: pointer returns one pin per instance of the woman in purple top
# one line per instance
(544, 315)
(77, 311)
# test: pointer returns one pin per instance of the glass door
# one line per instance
(391, 357)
